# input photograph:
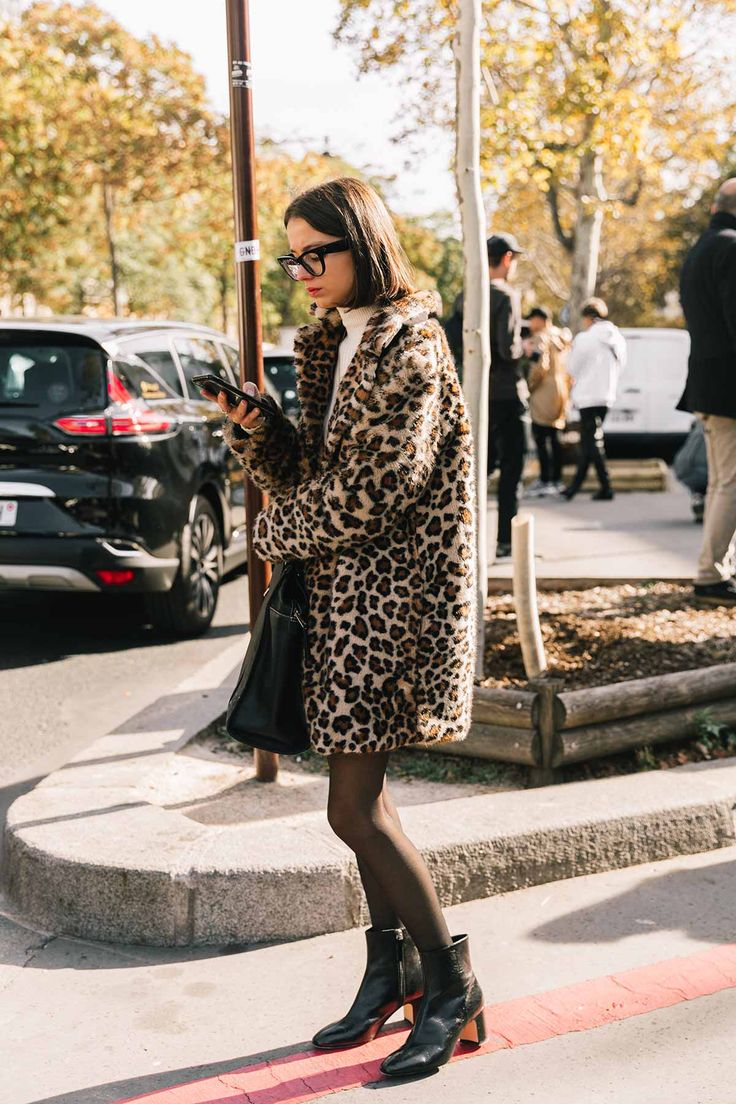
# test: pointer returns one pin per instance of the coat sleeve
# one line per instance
(270, 453)
(540, 367)
(384, 470)
(576, 360)
(506, 326)
(727, 290)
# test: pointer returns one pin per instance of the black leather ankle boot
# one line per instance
(451, 1009)
(393, 976)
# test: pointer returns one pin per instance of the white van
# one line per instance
(644, 415)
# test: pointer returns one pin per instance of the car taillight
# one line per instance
(116, 388)
(83, 425)
(140, 421)
(115, 578)
(119, 425)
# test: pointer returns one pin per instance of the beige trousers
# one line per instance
(719, 524)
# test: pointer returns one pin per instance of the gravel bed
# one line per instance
(610, 634)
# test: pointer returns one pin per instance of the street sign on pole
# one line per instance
(247, 281)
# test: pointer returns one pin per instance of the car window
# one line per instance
(232, 356)
(281, 370)
(199, 356)
(158, 356)
(234, 359)
(49, 376)
(140, 380)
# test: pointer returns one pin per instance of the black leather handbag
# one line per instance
(266, 709)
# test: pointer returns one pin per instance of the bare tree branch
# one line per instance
(567, 241)
(557, 287)
(631, 198)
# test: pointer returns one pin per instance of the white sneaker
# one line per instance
(535, 489)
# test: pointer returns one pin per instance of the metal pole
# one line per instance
(247, 282)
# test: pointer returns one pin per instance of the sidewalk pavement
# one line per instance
(112, 836)
(140, 840)
(633, 537)
(101, 1024)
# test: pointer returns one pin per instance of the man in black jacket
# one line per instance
(508, 390)
(708, 295)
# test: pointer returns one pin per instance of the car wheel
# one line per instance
(188, 608)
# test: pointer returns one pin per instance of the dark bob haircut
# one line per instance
(540, 312)
(348, 208)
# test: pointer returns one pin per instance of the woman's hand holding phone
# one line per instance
(240, 414)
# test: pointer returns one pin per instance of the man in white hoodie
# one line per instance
(597, 357)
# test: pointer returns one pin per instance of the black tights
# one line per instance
(395, 877)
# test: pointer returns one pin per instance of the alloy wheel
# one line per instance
(205, 564)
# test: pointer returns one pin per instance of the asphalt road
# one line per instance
(73, 667)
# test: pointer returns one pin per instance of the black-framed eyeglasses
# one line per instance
(312, 260)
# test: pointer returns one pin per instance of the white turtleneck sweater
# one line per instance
(355, 322)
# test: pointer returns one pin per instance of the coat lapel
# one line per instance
(357, 383)
(315, 355)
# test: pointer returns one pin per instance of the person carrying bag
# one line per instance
(374, 494)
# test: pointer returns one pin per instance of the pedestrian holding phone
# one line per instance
(374, 492)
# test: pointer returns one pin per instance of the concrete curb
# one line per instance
(102, 849)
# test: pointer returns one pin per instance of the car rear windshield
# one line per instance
(45, 378)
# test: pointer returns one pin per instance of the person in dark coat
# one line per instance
(508, 390)
(708, 296)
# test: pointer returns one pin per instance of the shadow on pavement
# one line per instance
(696, 902)
(83, 623)
(8, 794)
(25, 947)
(280, 1092)
(115, 1091)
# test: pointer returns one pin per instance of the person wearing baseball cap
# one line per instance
(508, 390)
(502, 243)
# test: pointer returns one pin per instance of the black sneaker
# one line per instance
(717, 594)
(602, 495)
(503, 551)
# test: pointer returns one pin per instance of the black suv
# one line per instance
(114, 474)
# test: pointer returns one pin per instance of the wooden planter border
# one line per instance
(545, 727)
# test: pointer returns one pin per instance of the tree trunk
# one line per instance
(476, 311)
(588, 223)
(108, 199)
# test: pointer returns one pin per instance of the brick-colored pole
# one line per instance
(247, 283)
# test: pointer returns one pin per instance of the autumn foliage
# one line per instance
(602, 121)
(115, 186)
(605, 124)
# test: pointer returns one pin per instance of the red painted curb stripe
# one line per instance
(312, 1074)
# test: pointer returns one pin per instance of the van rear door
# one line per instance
(651, 384)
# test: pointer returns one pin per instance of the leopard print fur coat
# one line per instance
(382, 512)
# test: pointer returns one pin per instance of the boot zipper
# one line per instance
(400, 964)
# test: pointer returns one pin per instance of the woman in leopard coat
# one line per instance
(374, 492)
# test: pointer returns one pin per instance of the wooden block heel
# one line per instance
(451, 1008)
(474, 1031)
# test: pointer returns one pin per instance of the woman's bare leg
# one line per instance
(359, 814)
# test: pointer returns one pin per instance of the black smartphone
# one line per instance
(213, 384)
